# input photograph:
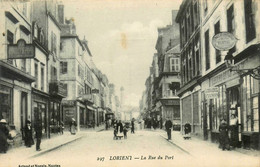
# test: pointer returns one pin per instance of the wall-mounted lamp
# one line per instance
(229, 61)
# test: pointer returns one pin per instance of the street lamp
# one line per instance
(253, 72)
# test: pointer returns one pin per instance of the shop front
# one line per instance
(56, 119)
(40, 101)
(15, 96)
(237, 102)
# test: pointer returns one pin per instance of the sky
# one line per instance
(122, 35)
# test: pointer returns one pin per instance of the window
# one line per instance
(42, 77)
(231, 23)
(10, 37)
(174, 63)
(205, 5)
(53, 43)
(196, 15)
(41, 37)
(217, 52)
(23, 65)
(53, 73)
(207, 56)
(249, 20)
(36, 74)
(63, 67)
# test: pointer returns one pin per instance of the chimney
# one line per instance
(61, 13)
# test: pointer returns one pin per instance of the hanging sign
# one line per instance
(21, 50)
(224, 41)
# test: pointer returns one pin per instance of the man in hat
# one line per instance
(168, 126)
(223, 135)
(38, 134)
(4, 134)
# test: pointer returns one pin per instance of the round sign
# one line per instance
(224, 41)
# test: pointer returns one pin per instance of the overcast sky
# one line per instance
(122, 35)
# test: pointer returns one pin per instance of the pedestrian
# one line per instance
(28, 139)
(233, 131)
(4, 135)
(73, 126)
(154, 122)
(115, 133)
(161, 122)
(187, 130)
(119, 129)
(168, 126)
(223, 135)
(38, 134)
(106, 124)
(133, 126)
(125, 131)
(61, 127)
(109, 123)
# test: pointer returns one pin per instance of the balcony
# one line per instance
(57, 88)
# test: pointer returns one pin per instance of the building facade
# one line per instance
(238, 90)
(188, 18)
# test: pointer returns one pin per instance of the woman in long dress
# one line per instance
(73, 126)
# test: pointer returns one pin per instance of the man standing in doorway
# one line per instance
(38, 134)
(168, 126)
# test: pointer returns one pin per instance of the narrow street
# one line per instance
(91, 150)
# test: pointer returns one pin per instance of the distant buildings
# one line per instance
(160, 100)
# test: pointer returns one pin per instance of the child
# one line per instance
(125, 132)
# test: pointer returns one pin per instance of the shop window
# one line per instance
(250, 101)
(249, 20)
(6, 111)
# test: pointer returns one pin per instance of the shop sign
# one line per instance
(21, 50)
(224, 41)
(211, 93)
(222, 77)
(68, 103)
(171, 102)
(94, 91)
(87, 97)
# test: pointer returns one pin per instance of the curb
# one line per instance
(184, 150)
(100, 130)
(54, 148)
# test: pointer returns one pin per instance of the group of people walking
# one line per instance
(121, 130)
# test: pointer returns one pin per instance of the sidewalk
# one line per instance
(195, 146)
(48, 145)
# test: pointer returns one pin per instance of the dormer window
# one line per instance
(41, 36)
